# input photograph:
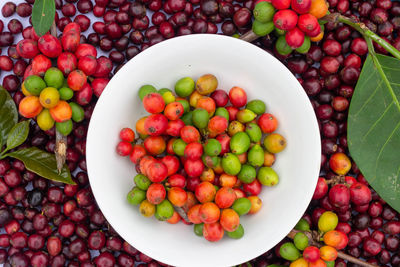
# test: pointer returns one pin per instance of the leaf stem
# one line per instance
(378, 66)
(367, 33)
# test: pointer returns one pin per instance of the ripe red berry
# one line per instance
(285, 19)
(294, 38)
(127, 134)
(124, 148)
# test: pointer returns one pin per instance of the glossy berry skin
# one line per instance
(339, 195)
(50, 46)
(285, 19)
(124, 148)
(360, 194)
(311, 254)
(321, 189)
(127, 134)
(294, 38)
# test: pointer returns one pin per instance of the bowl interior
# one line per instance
(235, 63)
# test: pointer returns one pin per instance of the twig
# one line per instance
(311, 237)
(60, 150)
(182, 213)
(61, 140)
(249, 36)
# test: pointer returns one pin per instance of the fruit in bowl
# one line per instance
(207, 143)
(234, 63)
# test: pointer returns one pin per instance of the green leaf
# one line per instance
(43, 14)
(18, 134)
(8, 115)
(43, 164)
(374, 126)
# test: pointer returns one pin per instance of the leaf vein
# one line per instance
(369, 98)
(378, 120)
(384, 145)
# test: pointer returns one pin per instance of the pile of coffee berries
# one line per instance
(46, 98)
(202, 155)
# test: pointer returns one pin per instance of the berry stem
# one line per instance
(60, 150)
(61, 140)
(340, 254)
(249, 36)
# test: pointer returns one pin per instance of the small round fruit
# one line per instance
(177, 196)
(34, 84)
(213, 232)
(294, 38)
(267, 122)
(282, 46)
(206, 84)
(305, 47)
(264, 12)
(54, 78)
(289, 252)
(184, 87)
(340, 163)
(318, 8)
(209, 212)
(336, 239)
(274, 143)
(49, 97)
(328, 253)
(302, 225)
(142, 182)
(66, 93)
(173, 111)
(65, 127)
(237, 96)
(198, 229)
(30, 106)
(231, 164)
(178, 147)
(285, 19)
(247, 174)
(44, 120)
(257, 106)
(256, 204)
(311, 254)
(242, 206)
(229, 220)
(127, 134)
(327, 221)
(205, 192)
(300, 262)
(136, 196)
(147, 209)
(157, 172)
(237, 234)
(212, 147)
(153, 103)
(300, 241)
(225, 197)
(156, 193)
(200, 118)
(145, 90)
(61, 112)
(76, 80)
(164, 210)
(267, 176)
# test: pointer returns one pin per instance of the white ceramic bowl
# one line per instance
(235, 63)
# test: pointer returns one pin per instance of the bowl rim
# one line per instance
(195, 37)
